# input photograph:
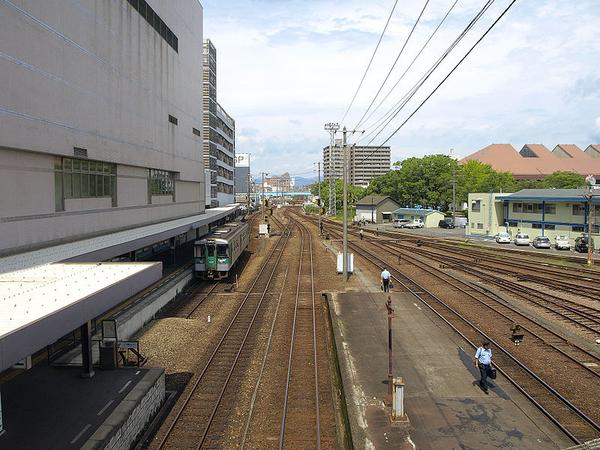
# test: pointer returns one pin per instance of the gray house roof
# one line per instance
(374, 200)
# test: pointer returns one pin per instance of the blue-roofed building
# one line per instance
(537, 212)
(430, 217)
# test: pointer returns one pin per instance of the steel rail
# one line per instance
(303, 230)
(282, 240)
(455, 280)
(419, 291)
(529, 294)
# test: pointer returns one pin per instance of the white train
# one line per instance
(217, 253)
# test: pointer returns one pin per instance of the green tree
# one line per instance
(354, 193)
(563, 180)
(475, 176)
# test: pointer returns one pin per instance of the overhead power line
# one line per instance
(389, 116)
(412, 62)
(443, 80)
(393, 65)
(370, 62)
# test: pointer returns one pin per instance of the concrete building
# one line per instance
(219, 134)
(242, 177)
(100, 118)
(279, 183)
(535, 161)
(430, 217)
(364, 163)
(537, 212)
(375, 208)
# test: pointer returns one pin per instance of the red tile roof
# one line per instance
(504, 158)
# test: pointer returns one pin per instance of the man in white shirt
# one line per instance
(483, 361)
(385, 280)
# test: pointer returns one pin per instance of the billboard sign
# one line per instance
(242, 159)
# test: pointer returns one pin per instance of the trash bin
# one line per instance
(108, 355)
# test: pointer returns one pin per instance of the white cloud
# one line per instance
(286, 68)
(598, 122)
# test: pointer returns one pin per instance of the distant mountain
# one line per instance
(301, 181)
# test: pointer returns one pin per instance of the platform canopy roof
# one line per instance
(560, 195)
(39, 305)
(110, 245)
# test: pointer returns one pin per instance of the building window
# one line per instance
(517, 207)
(476, 206)
(536, 226)
(472, 224)
(173, 119)
(513, 224)
(155, 22)
(550, 208)
(161, 182)
(550, 227)
(80, 178)
(578, 228)
(578, 210)
(196, 131)
(480, 226)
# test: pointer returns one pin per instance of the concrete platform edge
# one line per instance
(128, 420)
(355, 431)
(130, 321)
(345, 435)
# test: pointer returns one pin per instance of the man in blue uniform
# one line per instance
(385, 280)
(483, 361)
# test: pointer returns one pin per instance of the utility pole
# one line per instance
(454, 196)
(591, 182)
(320, 201)
(263, 193)
(345, 206)
(390, 312)
(332, 128)
(248, 192)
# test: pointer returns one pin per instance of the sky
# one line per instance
(286, 67)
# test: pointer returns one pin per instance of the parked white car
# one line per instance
(503, 238)
(415, 224)
(562, 243)
(401, 223)
(522, 239)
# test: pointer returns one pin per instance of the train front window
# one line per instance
(211, 251)
(201, 251)
(222, 251)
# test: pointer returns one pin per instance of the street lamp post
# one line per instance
(263, 193)
(332, 128)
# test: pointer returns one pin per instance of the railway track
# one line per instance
(201, 419)
(300, 423)
(586, 318)
(556, 401)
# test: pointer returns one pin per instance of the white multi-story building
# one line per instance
(100, 117)
(219, 135)
(364, 163)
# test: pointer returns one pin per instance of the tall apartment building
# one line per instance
(100, 118)
(219, 135)
(364, 163)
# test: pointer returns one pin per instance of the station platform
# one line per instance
(54, 408)
(445, 407)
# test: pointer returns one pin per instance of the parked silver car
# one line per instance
(562, 243)
(522, 239)
(542, 242)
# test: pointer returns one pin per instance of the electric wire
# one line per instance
(389, 116)
(393, 65)
(370, 62)
(411, 63)
(441, 82)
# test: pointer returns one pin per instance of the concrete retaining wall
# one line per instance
(133, 319)
(120, 430)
